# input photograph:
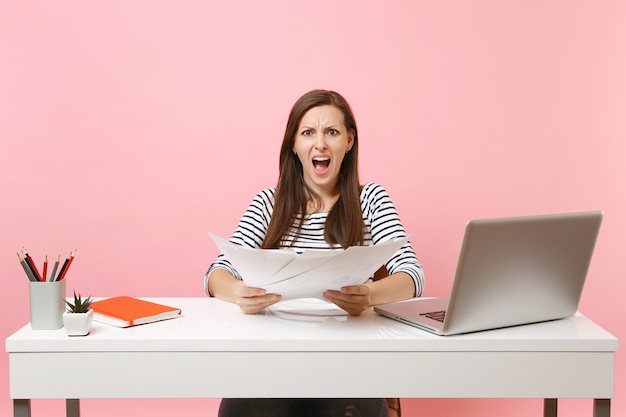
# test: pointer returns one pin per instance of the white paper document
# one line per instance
(309, 274)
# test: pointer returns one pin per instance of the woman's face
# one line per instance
(321, 143)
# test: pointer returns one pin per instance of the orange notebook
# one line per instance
(127, 311)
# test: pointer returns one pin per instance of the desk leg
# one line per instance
(601, 407)
(21, 408)
(550, 407)
(72, 408)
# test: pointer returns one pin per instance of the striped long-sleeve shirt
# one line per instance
(380, 219)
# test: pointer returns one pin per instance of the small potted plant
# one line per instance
(78, 317)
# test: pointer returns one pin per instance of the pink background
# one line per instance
(128, 129)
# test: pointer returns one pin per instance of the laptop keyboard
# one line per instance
(435, 315)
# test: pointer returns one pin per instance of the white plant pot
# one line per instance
(77, 324)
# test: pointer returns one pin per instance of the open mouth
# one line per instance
(321, 163)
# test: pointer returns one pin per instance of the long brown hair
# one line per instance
(344, 224)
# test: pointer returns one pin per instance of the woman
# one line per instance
(319, 203)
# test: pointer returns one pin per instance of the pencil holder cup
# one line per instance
(47, 304)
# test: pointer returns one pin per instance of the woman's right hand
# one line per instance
(252, 300)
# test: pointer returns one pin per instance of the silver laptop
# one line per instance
(511, 271)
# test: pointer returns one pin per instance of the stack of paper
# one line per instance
(310, 273)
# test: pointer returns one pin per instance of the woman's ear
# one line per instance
(350, 140)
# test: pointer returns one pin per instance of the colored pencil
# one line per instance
(54, 269)
(29, 273)
(32, 265)
(62, 270)
(45, 269)
(66, 265)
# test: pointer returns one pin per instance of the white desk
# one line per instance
(203, 354)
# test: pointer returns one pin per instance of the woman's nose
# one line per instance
(320, 141)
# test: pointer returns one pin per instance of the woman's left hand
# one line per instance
(354, 299)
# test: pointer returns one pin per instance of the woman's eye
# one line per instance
(333, 132)
(306, 132)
